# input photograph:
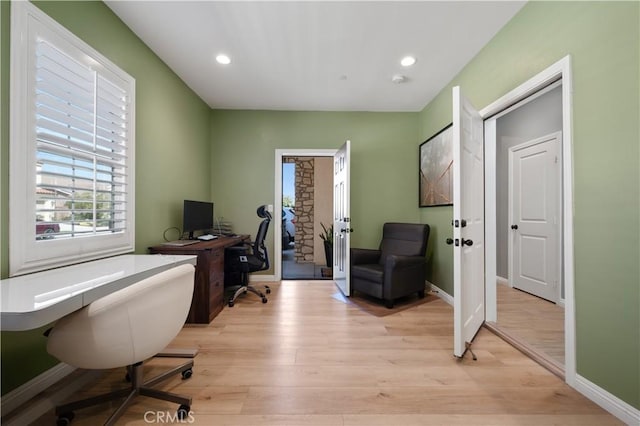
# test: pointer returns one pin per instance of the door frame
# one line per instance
(556, 137)
(561, 70)
(277, 202)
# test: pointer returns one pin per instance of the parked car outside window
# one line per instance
(45, 230)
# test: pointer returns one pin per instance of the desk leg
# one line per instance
(178, 353)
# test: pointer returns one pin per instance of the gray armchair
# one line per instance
(397, 268)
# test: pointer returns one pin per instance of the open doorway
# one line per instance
(553, 82)
(307, 214)
(530, 296)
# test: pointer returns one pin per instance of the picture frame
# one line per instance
(435, 172)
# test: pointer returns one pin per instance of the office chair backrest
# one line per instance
(259, 248)
(128, 326)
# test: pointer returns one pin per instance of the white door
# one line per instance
(468, 222)
(534, 216)
(341, 219)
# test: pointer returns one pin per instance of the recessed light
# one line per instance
(407, 61)
(223, 59)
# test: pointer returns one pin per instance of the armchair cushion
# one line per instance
(372, 272)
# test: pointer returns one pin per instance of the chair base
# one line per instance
(138, 387)
(240, 290)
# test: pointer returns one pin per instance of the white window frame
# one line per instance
(26, 253)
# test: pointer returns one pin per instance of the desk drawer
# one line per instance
(216, 284)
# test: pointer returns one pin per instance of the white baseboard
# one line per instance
(47, 400)
(441, 293)
(261, 278)
(614, 405)
(30, 389)
(501, 280)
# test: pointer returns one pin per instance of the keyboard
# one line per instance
(207, 237)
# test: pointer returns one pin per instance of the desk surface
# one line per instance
(34, 300)
(218, 243)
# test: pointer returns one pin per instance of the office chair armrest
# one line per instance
(238, 249)
(364, 256)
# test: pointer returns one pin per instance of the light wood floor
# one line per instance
(538, 322)
(308, 357)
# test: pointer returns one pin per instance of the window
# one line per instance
(71, 149)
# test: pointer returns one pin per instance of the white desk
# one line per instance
(34, 300)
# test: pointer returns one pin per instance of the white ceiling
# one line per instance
(316, 56)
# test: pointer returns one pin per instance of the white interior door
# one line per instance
(534, 194)
(341, 219)
(468, 222)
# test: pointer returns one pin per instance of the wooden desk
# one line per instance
(208, 291)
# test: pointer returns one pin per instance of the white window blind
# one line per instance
(81, 129)
(71, 148)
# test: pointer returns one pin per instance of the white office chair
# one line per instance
(124, 329)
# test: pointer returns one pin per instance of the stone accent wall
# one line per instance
(304, 209)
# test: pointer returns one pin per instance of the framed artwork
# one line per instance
(436, 169)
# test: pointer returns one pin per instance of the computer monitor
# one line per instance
(197, 216)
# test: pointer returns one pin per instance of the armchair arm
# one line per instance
(394, 262)
(403, 275)
(364, 256)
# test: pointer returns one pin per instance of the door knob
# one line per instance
(449, 241)
(467, 242)
(514, 227)
(347, 230)
(455, 242)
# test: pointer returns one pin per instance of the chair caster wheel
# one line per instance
(64, 419)
(231, 303)
(268, 290)
(187, 374)
(264, 300)
(183, 411)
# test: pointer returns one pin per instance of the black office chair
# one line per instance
(241, 260)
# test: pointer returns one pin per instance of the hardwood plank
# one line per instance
(477, 420)
(536, 321)
(310, 358)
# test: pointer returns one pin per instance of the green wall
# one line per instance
(384, 165)
(603, 40)
(172, 150)
(228, 156)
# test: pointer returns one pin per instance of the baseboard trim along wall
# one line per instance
(261, 278)
(52, 388)
(441, 293)
(614, 405)
(30, 389)
(503, 281)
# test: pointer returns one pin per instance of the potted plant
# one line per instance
(327, 239)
